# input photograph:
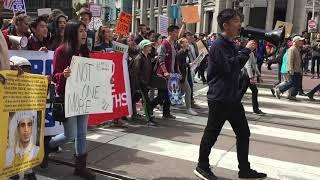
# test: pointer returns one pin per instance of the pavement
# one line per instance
(284, 143)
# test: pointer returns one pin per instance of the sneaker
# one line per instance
(251, 174)
(277, 93)
(259, 112)
(168, 116)
(191, 112)
(292, 98)
(205, 174)
(273, 92)
(310, 96)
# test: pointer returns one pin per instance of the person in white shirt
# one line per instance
(250, 73)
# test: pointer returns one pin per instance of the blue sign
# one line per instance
(175, 11)
(19, 6)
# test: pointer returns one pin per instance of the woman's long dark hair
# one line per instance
(56, 38)
(71, 41)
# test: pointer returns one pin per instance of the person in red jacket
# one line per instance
(75, 128)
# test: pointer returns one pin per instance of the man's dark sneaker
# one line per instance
(204, 174)
(278, 93)
(251, 174)
(310, 96)
(273, 92)
(259, 112)
(168, 116)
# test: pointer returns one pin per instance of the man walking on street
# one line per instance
(225, 64)
(294, 70)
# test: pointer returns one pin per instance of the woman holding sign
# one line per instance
(75, 128)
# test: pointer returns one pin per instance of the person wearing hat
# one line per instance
(294, 61)
(21, 145)
(143, 71)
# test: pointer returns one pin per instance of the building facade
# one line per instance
(257, 13)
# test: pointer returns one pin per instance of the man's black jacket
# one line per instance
(224, 67)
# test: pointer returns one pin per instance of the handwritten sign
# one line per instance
(198, 60)
(163, 25)
(288, 27)
(88, 89)
(202, 47)
(190, 14)
(44, 11)
(124, 23)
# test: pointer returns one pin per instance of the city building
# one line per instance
(257, 13)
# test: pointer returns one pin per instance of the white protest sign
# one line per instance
(44, 11)
(119, 47)
(198, 60)
(163, 25)
(95, 9)
(89, 89)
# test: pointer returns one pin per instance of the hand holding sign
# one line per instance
(88, 90)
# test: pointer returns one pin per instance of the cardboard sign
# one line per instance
(95, 9)
(22, 112)
(124, 23)
(190, 14)
(312, 26)
(197, 61)
(163, 25)
(88, 89)
(121, 93)
(44, 11)
(288, 27)
(202, 47)
(41, 63)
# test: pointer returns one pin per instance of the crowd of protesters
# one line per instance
(152, 58)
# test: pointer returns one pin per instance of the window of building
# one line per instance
(138, 4)
(164, 3)
(156, 3)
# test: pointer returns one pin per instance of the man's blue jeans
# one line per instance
(294, 84)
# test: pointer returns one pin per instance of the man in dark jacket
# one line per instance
(225, 64)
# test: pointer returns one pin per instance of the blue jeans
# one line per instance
(294, 83)
(75, 128)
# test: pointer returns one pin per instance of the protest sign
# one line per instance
(198, 60)
(163, 25)
(124, 23)
(41, 63)
(190, 14)
(22, 112)
(88, 89)
(119, 47)
(7, 4)
(44, 11)
(175, 93)
(19, 6)
(95, 9)
(122, 105)
(286, 25)
(201, 47)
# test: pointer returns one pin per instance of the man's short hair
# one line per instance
(35, 22)
(226, 15)
(172, 28)
(84, 11)
(142, 26)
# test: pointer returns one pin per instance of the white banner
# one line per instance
(41, 63)
(88, 89)
(197, 61)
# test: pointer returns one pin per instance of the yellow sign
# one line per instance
(22, 112)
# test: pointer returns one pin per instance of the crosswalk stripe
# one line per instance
(257, 129)
(277, 112)
(267, 92)
(220, 158)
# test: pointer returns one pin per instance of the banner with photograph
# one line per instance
(174, 88)
(88, 89)
(41, 63)
(22, 112)
(121, 93)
